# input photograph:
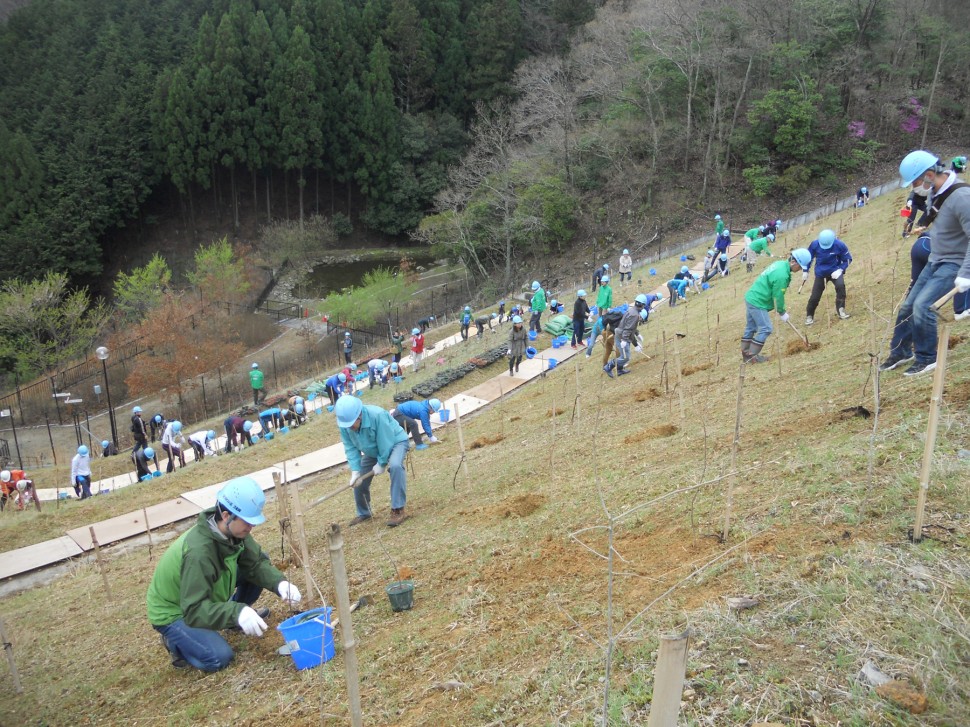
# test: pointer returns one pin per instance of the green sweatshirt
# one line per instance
(256, 378)
(197, 575)
(604, 298)
(538, 303)
(759, 246)
(752, 233)
(719, 228)
(376, 437)
(768, 290)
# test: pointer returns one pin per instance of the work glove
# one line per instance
(638, 349)
(804, 275)
(785, 317)
(250, 622)
(962, 284)
(289, 592)
(353, 478)
(433, 439)
(909, 204)
(837, 274)
(378, 469)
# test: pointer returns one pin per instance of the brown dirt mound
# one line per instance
(794, 347)
(688, 370)
(514, 419)
(549, 412)
(954, 340)
(664, 430)
(645, 394)
(519, 506)
(486, 440)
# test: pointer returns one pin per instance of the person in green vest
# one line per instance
(537, 304)
(755, 248)
(766, 294)
(210, 577)
(719, 225)
(256, 381)
(604, 298)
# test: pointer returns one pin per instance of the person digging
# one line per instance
(766, 294)
(210, 577)
(373, 440)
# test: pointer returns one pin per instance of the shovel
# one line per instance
(357, 481)
(947, 316)
(800, 334)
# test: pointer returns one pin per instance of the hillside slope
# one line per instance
(513, 583)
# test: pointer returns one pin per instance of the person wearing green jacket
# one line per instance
(256, 381)
(604, 298)
(397, 344)
(755, 248)
(538, 305)
(719, 225)
(210, 577)
(373, 441)
(766, 294)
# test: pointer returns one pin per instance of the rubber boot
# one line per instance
(745, 345)
(750, 267)
(754, 353)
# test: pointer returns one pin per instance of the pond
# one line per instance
(333, 277)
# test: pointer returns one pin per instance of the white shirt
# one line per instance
(170, 438)
(80, 466)
(200, 439)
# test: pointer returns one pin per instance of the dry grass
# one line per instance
(504, 597)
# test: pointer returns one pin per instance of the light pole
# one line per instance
(102, 353)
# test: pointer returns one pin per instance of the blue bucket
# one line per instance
(310, 637)
(553, 363)
(705, 286)
(530, 352)
(284, 430)
(156, 473)
(683, 258)
(143, 478)
(444, 414)
(398, 379)
(556, 343)
(329, 407)
(268, 436)
(255, 438)
(62, 496)
(653, 271)
(533, 335)
(312, 396)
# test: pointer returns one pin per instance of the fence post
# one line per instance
(51, 437)
(205, 408)
(276, 381)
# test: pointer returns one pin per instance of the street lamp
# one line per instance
(102, 353)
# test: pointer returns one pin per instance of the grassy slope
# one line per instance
(507, 602)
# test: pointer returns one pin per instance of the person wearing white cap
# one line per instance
(626, 267)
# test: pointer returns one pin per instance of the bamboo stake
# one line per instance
(576, 362)
(732, 482)
(680, 376)
(939, 374)
(297, 510)
(664, 374)
(101, 564)
(148, 531)
(552, 444)
(668, 681)
(461, 445)
(8, 648)
(778, 354)
(336, 542)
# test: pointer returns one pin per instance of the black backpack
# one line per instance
(611, 320)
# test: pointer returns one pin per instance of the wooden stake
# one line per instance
(576, 362)
(148, 531)
(8, 648)
(461, 445)
(101, 564)
(939, 374)
(664, 373)
(668, 680)
(732, 482)
(778, 354)
(301, 539)
(336, 541)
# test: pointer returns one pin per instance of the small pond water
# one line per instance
(329, 278)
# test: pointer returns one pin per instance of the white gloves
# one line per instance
(250, 622)
(785, 317)
(353, 478)
(433, 439)
(909, 204)
(837, 274)
(378, 469)
(962, 284)
(638, 349)
(289, 592)
(804, 275)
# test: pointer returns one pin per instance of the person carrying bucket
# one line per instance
(409, 413)
(373, 441)
(192, 596)
(142, 459)
(518, 342)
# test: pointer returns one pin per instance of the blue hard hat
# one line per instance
(394, 366)
(516, 320)
(247, 425)
(347, 409)
(105, 443)
(644, 314)
(210, 435)
(914, 164)
(501, 302)
(352, 366)
(771, 237)
(641, 299)
(580, 293)
(826, 238)
(299, 408)
(684, 269)
(605, 279)
(717, 217)
(176, 427)
(435, 404)
(468, 308)
(535, 285)
(683, 258)
(415, 331)
(136, 410)
(244, 498)
(625, 251)
(803, 257)
(158, 418)
(255, 366)
(149, 453)
(341, 378)
(82, 450)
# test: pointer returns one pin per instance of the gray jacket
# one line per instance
(950, 232)
(627, 328)
(518, 341)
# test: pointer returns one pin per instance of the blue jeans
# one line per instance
(205, 649)
(578, 328)
(624, 358)
(757, 324)
(597, 329)
(395, 468)
(915, 330)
